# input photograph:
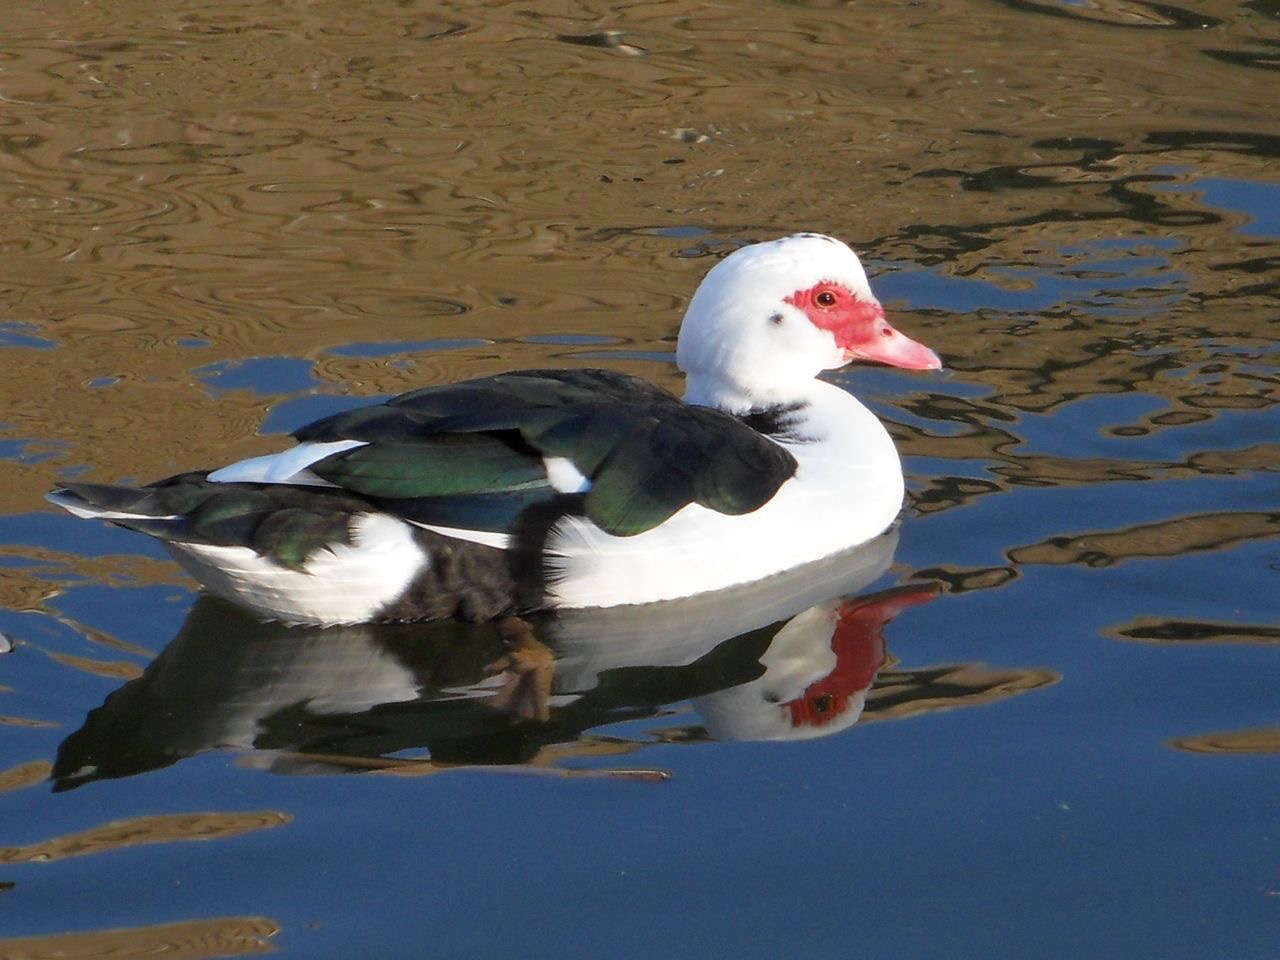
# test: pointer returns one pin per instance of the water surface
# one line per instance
(1038, 720)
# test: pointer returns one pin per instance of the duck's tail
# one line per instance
(304, 554)
(127, 506)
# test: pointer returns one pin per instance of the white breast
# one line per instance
(847, 489)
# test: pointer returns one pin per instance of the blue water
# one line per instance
(1062, 821)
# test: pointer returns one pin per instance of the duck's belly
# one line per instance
(698, 550)
(339, 584)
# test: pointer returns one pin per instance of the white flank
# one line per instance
(848, 489)
(290, 466)
(341, 583)
(564, 476)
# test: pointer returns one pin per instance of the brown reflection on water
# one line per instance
(908, 693)
(271, 181)
(1171, 538)
(25, 722)
(943, 493)
(25, 775)
(165, 828)
(189, 940)
(1123, 13)
(112, 669)
(1260, 740)
(1162, 630)
(29, 589)
(1104, 548)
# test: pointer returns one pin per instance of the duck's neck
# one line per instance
(707, 390)
(814, 409)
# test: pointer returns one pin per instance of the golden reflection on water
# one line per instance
(25, 775)
(29, 589)
(1167, 539)
(112, 669)
(273, 181)
(189, 940)
(1105, 548)
(1261, 740)
(1167, 630)
(166, 828)
(396, 195)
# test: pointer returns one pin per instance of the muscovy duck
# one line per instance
(546, 489)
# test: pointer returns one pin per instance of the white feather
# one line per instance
(564, 476)
(742, 345)
(341, 583)
(74, 505)
(289, 466)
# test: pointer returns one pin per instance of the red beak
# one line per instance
(887, 345)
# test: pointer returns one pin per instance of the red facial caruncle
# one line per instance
(860, 327)
(858, 643)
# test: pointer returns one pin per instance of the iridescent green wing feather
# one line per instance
(460, 447)
(287, 524)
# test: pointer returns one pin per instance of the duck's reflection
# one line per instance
(777, 660)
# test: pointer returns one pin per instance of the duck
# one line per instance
(550, 489)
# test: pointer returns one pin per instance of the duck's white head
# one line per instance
(769, 317)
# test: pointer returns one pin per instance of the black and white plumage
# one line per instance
(564, 488)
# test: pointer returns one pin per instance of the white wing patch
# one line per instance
(564, 476)
(290, 466)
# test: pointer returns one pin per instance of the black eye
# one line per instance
(825, 299)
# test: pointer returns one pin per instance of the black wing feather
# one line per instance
(645, 452)
(436, 465)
